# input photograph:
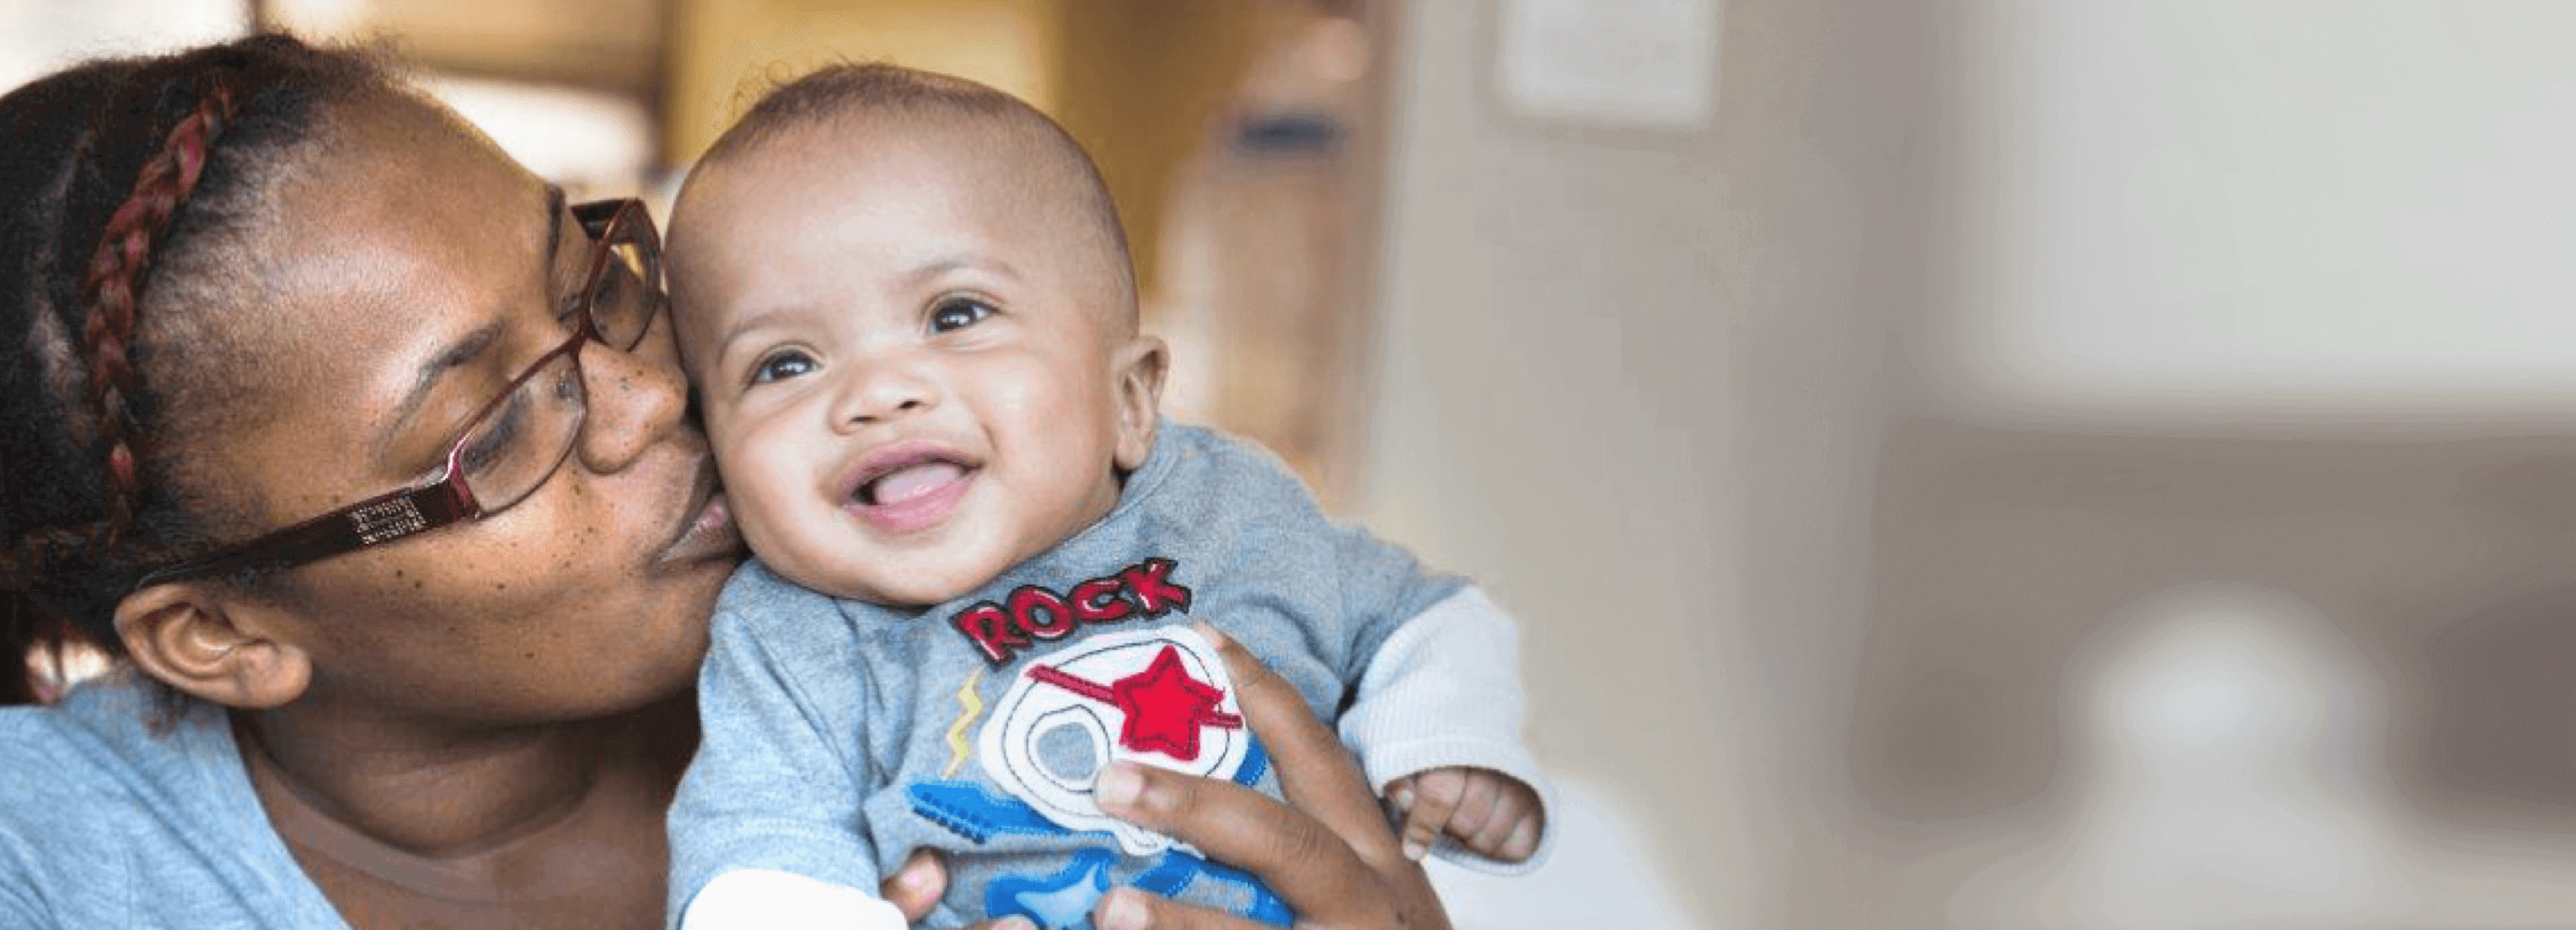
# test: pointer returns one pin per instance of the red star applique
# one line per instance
(1164, 705)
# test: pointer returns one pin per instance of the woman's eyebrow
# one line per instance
(475, 343)
(449, 359)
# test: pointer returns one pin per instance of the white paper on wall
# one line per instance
(1648, 63)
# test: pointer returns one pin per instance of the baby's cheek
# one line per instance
(763, 519)
(724, 425)
(758, 456)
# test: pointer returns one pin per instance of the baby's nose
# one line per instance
(888, 393)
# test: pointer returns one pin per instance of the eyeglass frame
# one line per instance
(420, 508)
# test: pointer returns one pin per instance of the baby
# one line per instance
(906, 307)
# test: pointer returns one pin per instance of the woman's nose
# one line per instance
(636, 398)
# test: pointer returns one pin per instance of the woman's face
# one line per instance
(418, 270)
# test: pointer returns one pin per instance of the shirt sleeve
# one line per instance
(1444, 690)
(778, 778)
(1383, 588)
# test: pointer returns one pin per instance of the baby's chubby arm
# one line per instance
(1440, 708)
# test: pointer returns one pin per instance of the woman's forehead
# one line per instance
(386, 261)
(411, 166)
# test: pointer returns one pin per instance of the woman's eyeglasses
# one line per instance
(516, 441)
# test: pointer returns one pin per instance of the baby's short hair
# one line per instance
(877, 88)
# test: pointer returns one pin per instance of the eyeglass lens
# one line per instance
(622, 300)
(516, 447)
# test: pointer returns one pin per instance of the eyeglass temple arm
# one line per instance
(374, 522)
(595, 215)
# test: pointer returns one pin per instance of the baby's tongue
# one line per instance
(913, 480)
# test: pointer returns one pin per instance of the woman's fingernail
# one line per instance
(1118, 786)
(1214, 638)
(1124, 912)
(1415, 850)
(1403, 798)
(915, 879)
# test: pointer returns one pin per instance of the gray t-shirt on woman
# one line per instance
(105, 823)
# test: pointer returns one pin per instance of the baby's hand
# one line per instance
(1485, 810)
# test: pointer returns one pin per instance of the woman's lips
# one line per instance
(710, 530)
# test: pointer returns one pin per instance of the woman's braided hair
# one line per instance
(130, 192)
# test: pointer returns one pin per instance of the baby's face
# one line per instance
(904, 356)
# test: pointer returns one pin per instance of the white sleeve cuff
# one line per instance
(765, 898)
(1444, 690)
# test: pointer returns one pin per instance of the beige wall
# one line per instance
(1623, 378)
(1832, 455)
(2266, 298)
(2292, 209)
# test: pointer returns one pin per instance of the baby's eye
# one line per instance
(958, 313)
(782, 366)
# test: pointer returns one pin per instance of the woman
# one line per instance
(255, 283)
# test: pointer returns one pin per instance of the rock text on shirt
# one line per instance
(1000, 630)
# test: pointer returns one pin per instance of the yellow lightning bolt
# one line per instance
(957, 731)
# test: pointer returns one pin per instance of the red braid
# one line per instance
(114, 276)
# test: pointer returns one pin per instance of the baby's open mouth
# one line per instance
(909, 481)
(910, 486)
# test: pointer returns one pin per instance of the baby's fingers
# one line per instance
(1515, 805)
(1475, 803)
(916, 887)
(1428, 804)
(1523, 841)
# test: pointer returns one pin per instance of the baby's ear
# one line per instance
(1138, 368)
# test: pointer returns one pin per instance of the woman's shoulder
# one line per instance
(86, 759)
(72, 794)
(113, 759)
(116, 807)
(71, 734)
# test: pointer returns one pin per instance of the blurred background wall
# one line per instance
(1987, 463)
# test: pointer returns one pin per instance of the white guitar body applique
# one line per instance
(1158, 697)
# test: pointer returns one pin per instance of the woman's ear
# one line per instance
(1139, 367)
(213, 644)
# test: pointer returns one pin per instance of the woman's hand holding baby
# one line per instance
(1329, 855)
